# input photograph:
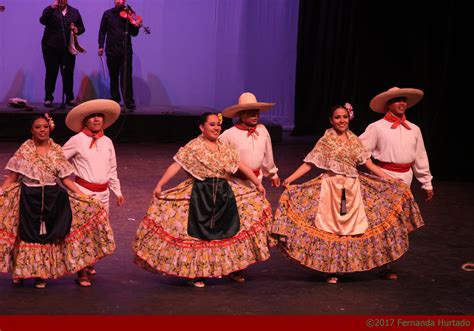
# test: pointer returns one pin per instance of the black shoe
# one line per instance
(71, 104)
(48, 104)
(131, 107)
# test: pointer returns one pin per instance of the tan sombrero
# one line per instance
(109, 108)
(413, 96)
(246, 101)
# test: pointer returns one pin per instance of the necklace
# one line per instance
(215, 182)
(42, 222)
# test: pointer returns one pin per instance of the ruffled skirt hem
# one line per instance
(385, 241)
(90, 239)
(158, 251)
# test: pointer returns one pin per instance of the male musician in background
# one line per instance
(118, 31)
(59, 19)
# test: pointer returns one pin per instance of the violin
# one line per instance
(129, 14)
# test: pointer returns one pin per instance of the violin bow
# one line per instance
(103, 67)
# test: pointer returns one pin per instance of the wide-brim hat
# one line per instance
(379, 102)
(109, 108)
(247, 101)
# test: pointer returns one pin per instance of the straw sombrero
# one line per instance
(413, 96)
(109, 108)
(247, 101)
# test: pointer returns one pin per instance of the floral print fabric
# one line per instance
(391, 213)
(37, 169)
(162, 243)
(201, 162)
(332, 153)
(89, 239)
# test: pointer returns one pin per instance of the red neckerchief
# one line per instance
(396, 121)
(250, 130)
(94, 136)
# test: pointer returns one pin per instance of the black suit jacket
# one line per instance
(53, 36)
(113, 27)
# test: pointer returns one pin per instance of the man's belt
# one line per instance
(92, 186)
(241, 175)
(395, 167)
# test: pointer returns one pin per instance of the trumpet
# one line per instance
(74, 47)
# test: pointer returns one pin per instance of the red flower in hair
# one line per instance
(50, 121)
(349, 108)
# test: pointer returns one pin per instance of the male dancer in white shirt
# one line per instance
(397, 144)
(93, 154)
(253, 142)
(251, 138)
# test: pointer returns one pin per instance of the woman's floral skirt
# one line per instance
(90, 239)
(391, 212)
(163, 245)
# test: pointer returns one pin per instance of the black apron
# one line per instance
(213, 213)
(48, 204)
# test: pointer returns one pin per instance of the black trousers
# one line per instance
(117, 70)
(54, 60)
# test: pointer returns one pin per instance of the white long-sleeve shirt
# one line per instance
(96, 165)
(255, 150)
(402, 146)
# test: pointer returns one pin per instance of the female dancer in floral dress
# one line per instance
(46, 231)
(209, 225)
(344, 220)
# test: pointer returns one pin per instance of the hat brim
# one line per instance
(413, 96)
(235, 109)
(109, 108)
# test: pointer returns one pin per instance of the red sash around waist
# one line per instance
(240, 175)
(396, 167)
(91, 186)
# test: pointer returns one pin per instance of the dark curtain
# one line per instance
(349, 51)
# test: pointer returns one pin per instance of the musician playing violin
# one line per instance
(116, 31)
(59, 19)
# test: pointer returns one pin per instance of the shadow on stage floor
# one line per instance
(431, 280)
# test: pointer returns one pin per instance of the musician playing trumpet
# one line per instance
(59, 20)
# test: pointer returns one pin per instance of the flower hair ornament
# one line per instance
(219, 116)
(50, 121)
(350, 110)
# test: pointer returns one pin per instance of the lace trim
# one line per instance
(323, 162)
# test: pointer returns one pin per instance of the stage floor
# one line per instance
(431, 281)
(151, 124)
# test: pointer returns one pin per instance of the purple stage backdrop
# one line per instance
(199, 53)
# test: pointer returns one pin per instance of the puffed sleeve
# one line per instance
(232, 159)
(369, 138)
(62, 165)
